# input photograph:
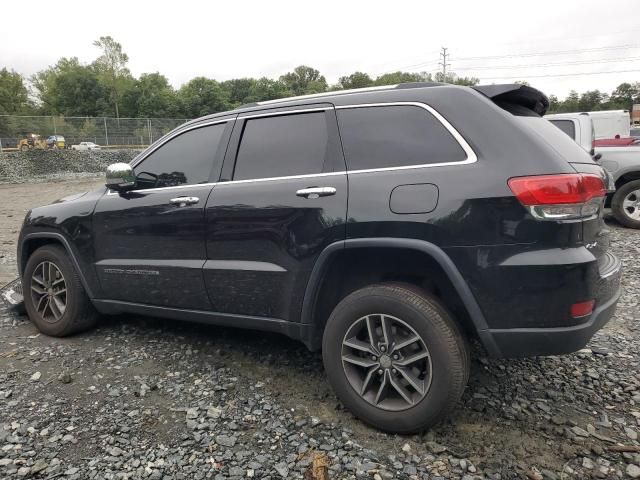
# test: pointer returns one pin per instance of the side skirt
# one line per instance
(290, 329)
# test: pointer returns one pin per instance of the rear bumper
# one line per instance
(531, 341)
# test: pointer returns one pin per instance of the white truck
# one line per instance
(611, 123)
(622, 164)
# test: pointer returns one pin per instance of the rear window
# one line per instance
(567, 126)
(555, 137)
(394, 136)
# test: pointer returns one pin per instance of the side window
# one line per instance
(394, 136)
(185, 159)
(282, 145)
(566, 126)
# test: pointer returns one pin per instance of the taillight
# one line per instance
(582, 309)
(560, 197)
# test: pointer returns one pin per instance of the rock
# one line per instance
(406, 448)
(64, 377)
(579, 431)
(282, 469)
(558, 420)
(192, 413)
(587, 463)
(631, 433)
(633, 471)
(36, 376)
(214, 412)
(226, 440)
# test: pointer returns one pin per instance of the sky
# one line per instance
(555, 45)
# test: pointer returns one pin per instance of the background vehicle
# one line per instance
(363, 223)
(31, 141)
(82, 146)
(611, 123)
(55, 142)
(621, 162)
(617, 142)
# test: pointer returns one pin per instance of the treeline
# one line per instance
(106, 87)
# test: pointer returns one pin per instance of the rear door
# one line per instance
(282, 199)
(150, 242)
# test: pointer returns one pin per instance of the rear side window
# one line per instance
(282, 145)
(185, 159)
(566, 126)
(394, 136)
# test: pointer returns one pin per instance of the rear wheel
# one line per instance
(53, 294)
(626, 204)
(395, 357)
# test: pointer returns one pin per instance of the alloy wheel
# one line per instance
(386, 362)
(49, 291)
(631, 205)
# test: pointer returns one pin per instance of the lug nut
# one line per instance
(380, 372)
(393, 370)
(383, 348)
(374, 358)
(395, 357)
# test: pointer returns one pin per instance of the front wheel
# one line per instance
(54, 297)
(395, 357)
(625, 204)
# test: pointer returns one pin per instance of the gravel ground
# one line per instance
(149, 398)
(43, 165)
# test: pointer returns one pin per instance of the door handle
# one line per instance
(184, 201)
(315, 192)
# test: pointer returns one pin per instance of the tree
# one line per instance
(112, 68)
(69, 88)
(356, 80)
(554, 104)
(304, 80)
(592, 100)
(150, 96)
(14, 97)
(267, 89)
(625, 95)
(456, 80)
(402, 77)
(202, 96)
(238, 90)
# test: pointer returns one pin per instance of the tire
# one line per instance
(78, 313)
(625, 204)
(409, 313)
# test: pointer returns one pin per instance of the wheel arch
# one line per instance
(627, 177)
(314, 323)
(32, 241)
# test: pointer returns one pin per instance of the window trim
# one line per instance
(163, 141)
(471, 155)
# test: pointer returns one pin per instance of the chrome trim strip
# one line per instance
(191, 185)
(327, 94)
(238, 265)
(174, 134)
(290, 177)
(471, 155)
(286, 112)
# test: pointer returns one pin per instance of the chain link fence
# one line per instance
(107, 132)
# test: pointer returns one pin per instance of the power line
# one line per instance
(524, 77)
(556, 52)
(538, 65)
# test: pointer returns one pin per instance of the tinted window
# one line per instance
(566, 126)
(281, 146)
(185, 159)
(378, 137)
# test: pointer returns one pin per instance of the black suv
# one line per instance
(387, 227)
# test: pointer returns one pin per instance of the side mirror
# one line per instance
(120, 177)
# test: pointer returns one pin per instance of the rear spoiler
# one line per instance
(515, 98)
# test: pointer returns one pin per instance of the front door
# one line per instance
(284, 201)
(150, 242)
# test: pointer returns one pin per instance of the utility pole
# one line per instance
(444, 55)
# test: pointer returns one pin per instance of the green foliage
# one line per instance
(356, 80)
(107, 88)
(304, 80)
(14, 97)
(202, 96)
(112, 70)
(71, 89)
